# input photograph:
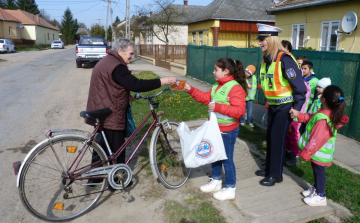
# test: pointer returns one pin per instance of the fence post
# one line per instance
(204, 64)
(172, 53)
(355, 114)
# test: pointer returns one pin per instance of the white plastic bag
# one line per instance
(203, 145)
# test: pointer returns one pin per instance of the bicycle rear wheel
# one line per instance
(168, 158)
(44, 190)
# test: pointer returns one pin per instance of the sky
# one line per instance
(94, 11)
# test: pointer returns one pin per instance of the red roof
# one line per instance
(6, 16)
(27, 18)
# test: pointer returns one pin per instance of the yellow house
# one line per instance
(9, 26)
(229, 23)
(35, 29)
(318, 24)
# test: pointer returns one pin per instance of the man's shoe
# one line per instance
(94, 182)
(251, 125)
(225, 194)
(315, 200)
(242, 124)
(212, 186)
(270, 181)
(309, 192)
(260, 173)
(294, 160)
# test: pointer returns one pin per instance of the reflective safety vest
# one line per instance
(326, 153)
(313, 83)
(276, 88)
(251, 92)
(221, 96)
(315, 106)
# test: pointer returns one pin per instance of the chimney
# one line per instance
(185, 2)
(150, 14)
(37, 18)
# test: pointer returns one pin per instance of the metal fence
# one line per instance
(342, 68)
(165, 53)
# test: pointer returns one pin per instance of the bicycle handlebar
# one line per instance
(138, 96)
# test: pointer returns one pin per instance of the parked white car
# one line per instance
(57, 44)
(6, 46)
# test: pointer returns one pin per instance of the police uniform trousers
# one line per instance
(278, 123)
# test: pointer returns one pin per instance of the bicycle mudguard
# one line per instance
(151, 153)
(40, 144)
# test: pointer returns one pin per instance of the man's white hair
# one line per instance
(122, 44)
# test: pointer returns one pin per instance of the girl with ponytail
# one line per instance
(227, 100)
(318, 141)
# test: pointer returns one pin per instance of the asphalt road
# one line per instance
(39, 90)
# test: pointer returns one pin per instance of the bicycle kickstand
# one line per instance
(126, 195)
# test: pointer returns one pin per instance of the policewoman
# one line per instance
(284, 89)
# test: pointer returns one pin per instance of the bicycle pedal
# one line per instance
(127, 197)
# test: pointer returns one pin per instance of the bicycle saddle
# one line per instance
(95, 114)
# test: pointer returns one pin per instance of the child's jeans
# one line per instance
(229, 139)
(320, 177)
(249, 107)
(292, 138)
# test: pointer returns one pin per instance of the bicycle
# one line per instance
(55, 178)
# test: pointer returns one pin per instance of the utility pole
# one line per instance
(109, 11)
(127, 33)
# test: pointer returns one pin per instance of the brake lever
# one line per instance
(169, 89)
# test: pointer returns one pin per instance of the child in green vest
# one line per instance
(320, 86)
(251, 82)
(227, 99)
(307, 68)
(318, 141)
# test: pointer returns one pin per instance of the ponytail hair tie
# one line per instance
(341, 98)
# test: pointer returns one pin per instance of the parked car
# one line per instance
(6, 46)
(57, 44)
(90, 49)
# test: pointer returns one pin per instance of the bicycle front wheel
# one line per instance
(168, 158)
(44, 188)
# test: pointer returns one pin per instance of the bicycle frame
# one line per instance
(75, 173)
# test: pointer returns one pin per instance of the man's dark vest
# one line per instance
(106, 93)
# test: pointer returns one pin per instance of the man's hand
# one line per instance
(211, 106)
(294, 113)
(168, 80)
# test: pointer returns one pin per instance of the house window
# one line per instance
(53, 36)
(9, 30)
(194, 38)
(298, 36)
(329, 39)
(48, 36)
(201, 38)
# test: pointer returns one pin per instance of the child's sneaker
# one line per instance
(251, 125)
(242, 124)
(212, 186)
(315, 200)
(308, 192)
(294, 160)
(225, 194)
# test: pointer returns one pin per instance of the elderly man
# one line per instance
(110, 86)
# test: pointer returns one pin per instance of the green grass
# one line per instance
(196, 209)
(181, 107)
(33, 47)
(1, 60)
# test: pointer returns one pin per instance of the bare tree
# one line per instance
(164, 21)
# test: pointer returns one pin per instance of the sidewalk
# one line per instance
(347, 153)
